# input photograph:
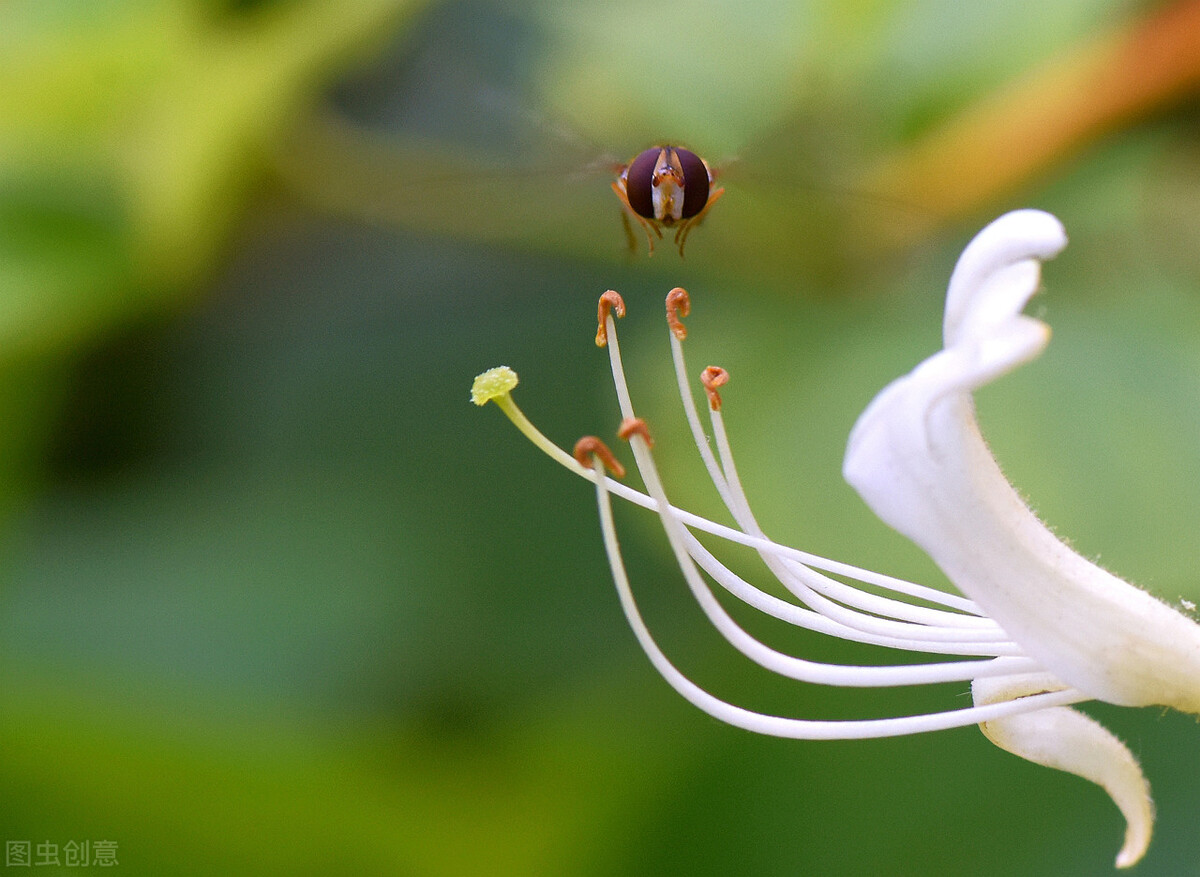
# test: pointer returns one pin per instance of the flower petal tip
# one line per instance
(998, 272)
(1068, 740)
(492, 384)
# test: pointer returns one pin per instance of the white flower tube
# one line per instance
(918, 460)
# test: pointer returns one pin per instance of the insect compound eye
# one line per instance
(695, 182)
(639, 182)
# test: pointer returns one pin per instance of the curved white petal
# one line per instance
(918, 460)
(1066, 739)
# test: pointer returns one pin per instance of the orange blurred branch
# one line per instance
(1029, 126)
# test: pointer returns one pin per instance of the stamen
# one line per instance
(933, 638)
(778, 726)
(735, 501)
(788, 612)
(725, 480)
(712, 377)
(891, 617)
(679, 305)
(929, 639)
(773, 660)
(687, 550)
(610, 301)
(632, 426)
(589, 449)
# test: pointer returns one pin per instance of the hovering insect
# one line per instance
(665, 186)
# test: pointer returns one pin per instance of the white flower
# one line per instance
(1039, 627)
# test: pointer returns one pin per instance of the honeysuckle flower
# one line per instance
(1036, 628)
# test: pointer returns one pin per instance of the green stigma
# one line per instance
(493, 384)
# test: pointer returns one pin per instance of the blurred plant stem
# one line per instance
(1031, 125)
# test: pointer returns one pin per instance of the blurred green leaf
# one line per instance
(129, 134)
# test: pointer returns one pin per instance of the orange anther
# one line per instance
(712, 377)
(610, 301)
(679, 305)
(589, 448)
(631, 426)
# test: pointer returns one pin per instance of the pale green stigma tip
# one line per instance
(493, 383)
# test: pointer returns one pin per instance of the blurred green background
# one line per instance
(276, 599)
